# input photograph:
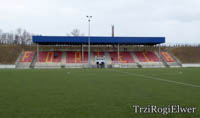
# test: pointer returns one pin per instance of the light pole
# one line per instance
(89, 19)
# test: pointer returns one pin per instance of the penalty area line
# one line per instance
(159, 79)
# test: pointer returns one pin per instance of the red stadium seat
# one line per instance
(167, 57)
(147, 56)
(27, 56)
(99, 54)
(76, 57)
(45, 57)
(124, 57)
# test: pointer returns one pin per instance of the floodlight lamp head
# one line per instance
(89, 16)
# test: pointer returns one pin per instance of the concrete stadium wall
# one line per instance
(190, 65)
(7, 66)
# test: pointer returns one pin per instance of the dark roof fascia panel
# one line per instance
(97, 40)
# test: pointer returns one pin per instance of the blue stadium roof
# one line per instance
(53, 40)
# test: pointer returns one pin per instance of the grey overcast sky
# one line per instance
(177, 20)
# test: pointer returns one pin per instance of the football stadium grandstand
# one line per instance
(106, 52)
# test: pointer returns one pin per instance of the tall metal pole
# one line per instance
(89, 19)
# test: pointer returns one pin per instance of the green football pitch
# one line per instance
(97, 93)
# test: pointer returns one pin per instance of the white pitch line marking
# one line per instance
(160, 79)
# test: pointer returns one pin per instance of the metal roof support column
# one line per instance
(159, 49)
(82, 53)
(118, 54)
(159, 53)
(37, 52)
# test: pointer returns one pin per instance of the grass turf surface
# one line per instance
(96, 93)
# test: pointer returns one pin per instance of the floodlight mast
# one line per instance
(89, 20)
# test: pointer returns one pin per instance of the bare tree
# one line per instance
(26, 38)
(20, 37)
(1, 32)
(75, 32)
